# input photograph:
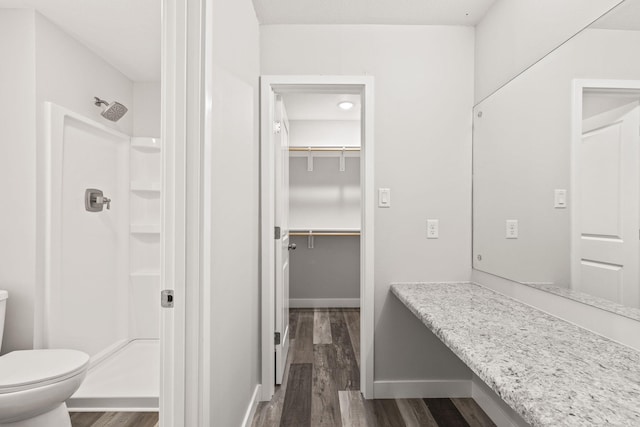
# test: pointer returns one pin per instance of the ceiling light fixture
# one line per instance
(346, 105)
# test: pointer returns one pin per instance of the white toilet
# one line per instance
(34, 384)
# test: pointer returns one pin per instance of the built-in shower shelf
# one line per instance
(148, 186)
(145, 228)
(146, 144)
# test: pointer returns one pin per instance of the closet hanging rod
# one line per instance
(324, 148)
(324, 233)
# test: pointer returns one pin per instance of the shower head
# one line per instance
(113, 111)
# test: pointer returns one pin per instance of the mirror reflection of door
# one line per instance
(608, 186)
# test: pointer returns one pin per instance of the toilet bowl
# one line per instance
(34, 384)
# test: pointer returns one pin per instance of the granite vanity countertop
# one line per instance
(549, 371)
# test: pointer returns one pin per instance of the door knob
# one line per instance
(292, 246)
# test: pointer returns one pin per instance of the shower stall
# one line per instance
(100, 201)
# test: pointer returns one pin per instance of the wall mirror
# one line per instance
(556, 169)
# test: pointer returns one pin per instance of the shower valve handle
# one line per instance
(106, 201)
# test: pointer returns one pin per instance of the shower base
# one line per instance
(127, 380)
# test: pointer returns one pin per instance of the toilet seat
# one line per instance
(27, 369)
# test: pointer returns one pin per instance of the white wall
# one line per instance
(235, 313)
(69, 74)
(515, 34)
(46, 65)
(146, 109)
(423, 100)
(18, 175)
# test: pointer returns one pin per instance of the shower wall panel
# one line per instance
(87, 293)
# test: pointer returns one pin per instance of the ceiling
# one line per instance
(320, 106)
(126, 33)
(408, 12)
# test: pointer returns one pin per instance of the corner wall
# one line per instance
(515, 34)
(423, 100)
(18, 175)
(146, 109)
(235, 310)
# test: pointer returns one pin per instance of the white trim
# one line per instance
(324, 302)
(185, 377)
(420, 389)
(251, 409)
(92, 404)
(362, 85)
(576, 139)
(499, 412)
(109, 409)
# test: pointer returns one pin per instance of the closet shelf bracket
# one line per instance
(310, 160)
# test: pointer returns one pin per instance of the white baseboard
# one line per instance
(324, 302)
(499, 412)
(421, 389)
(251, 409)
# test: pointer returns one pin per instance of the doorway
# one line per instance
(606, 192)
(279, 239)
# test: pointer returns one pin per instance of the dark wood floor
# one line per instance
(112, 419)
(322, 381)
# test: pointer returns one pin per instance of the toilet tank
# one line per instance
(3, 308)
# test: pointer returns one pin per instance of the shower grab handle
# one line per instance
(94, 200)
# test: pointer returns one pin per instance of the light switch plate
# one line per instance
(384, 197)
(560, 199)
(433, 229)
(512, 229)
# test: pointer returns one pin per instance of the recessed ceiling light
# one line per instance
(346, 105)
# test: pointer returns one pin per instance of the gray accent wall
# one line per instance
(330, 270)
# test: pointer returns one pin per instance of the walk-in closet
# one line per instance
(324, 199)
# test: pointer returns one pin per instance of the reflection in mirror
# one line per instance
(556, 200)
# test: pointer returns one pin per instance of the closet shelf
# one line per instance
(148, 186)
(323, 232)
(146, 273)
(145, 228)
(324, 149)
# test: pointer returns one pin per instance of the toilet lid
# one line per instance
(22, 369)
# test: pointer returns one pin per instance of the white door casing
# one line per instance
(607, 190)
(280, 140)
(363, 86)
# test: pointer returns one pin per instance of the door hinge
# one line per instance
(166, 298)
(276, 338)
(276, 127)
(277, 233)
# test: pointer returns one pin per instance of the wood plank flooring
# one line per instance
(322, 381)
(112, 419)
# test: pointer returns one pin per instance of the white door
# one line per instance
(607, 162)
(282, 243)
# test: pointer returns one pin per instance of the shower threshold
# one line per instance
(127, 380)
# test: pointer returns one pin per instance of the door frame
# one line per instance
(364, 86)
(185, 338)
(579, 85)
